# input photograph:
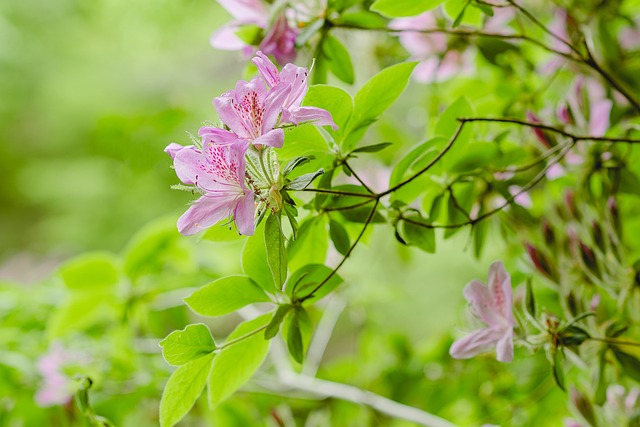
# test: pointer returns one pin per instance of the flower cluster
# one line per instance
(274, 36)
(220, 165)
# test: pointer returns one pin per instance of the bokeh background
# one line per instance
(90, 94)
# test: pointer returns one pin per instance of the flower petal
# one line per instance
(599, 117)
(226, 38)
(215, 135)
(172, 149)
(267, 69)
(500, 287)
(205, 212)
(481, 302)
(316, 115)
(187, 165)
(504, 347)
(244, 214)
(273, 138)
(246, 10)
(473, 344)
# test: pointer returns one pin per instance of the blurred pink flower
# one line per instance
(278, 41)
(437, 61)
(56, 388)
(558, 27)
(218, 170)
(491, 304)
(292, 80)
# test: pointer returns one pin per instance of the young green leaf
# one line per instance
(372, 148)
(294, 163)
(303, 181)
(274, 242)
(294, 340)
(236, 364)
(401, 8)
(414, 234)
(338, 59)
(339, 237)
(311, 245)
(307, 278)
(254, 261)
(274, 326)
(375, 97)
(180, 347)
(630, 364)
(225, 296)
(333, 99)
(557, 370)
(182, 390)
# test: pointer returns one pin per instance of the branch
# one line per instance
(429, 166)
(355, 175)
(353, 245)
(337, 192)
(551, 129)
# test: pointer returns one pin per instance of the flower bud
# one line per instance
(547, 232)
(595, 302)
(563, 114)
(612, 205)
(583, 405)
(570, 201)
(539, 133)
(596, 232)
(541, 262)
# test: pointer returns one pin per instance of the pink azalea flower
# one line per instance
(280, 37)
(251, 111)
(218, 170)
(438, 62)
(491, 304)
(292, 81)
(56, 388)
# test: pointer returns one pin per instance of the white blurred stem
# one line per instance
(323, 335)
(287, 379)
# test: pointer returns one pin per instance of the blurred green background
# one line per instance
(90, 94)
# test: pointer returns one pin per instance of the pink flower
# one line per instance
(491, 304)
(292, 81)
(280, 37)
(438, 62)
(251, 111)
(218, 171)
(56, 388)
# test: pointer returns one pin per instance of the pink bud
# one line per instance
(539, 133)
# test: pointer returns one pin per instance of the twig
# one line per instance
(322, 335)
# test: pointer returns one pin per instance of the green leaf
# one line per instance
(406, 167)
(303, 181)
(274, 241)
(630, 364)
(274, 325)
(180, 347)
(236, 364)
(458, 11)
(222, 232)
(311, 245)
(333, 99)
(304, 280)
(225, 296)
(376, 96)
(338, 59)
(250, 34)
(294, 163)
(303, 140)
(90, 272)
(480, 231)
(477, 155)
(363, 19)
(339, 237)
(182, 390)
(422, 237)
(600, 394)
(294, 340)
(309, 31)
(372, 148)
(400, 8)
(448, 122)
(299, 331)
(254, 261)
(557, 370)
